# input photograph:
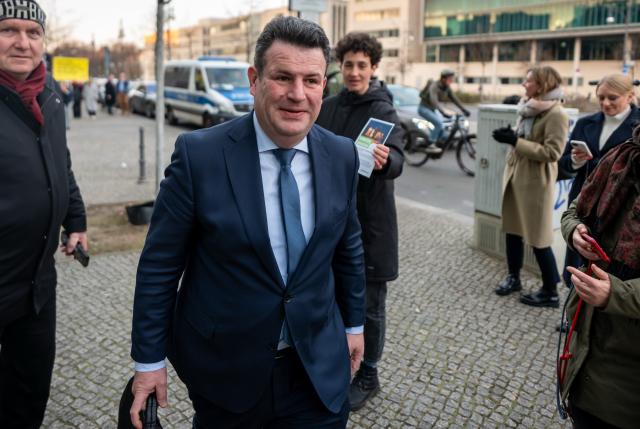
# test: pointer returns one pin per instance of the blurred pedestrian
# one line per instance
(39, 194)
(91, 93)
(603, 373)
(432, 109)
(78, 89)
(67, 99)
(110, 94)
(346, 114)
(601, 132)
(122, 94)
(529, 182)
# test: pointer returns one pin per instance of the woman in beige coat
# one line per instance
(529, 183)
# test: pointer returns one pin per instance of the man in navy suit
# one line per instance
(258, 218)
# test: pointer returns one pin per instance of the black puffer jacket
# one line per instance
(346, 114)
(38, 194)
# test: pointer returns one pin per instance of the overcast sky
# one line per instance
(101, 19)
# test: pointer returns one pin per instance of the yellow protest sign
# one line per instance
(70, 68)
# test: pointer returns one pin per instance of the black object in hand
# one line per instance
(79, 254)
(505, 135)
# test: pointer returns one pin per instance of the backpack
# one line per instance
(424, 94)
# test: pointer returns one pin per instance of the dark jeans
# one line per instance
(289, 402)
(26, 362)
(571, 259)
(544, 256)
(375, 322)
(584, 420)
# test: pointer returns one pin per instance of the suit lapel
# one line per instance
(592, 131)
(243, 166)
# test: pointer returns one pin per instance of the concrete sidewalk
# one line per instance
(457, 355)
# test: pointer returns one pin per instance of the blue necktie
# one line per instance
(290, 204)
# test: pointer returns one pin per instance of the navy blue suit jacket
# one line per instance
(220, 329)
(588, 129)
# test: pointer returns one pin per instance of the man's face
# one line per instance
(357, 71)
(21, 47)
(288, 94)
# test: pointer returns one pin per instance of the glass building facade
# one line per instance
(450, 18)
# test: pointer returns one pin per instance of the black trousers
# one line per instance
(544, 257)
(289, 402)
(27, 351)
(375, 322)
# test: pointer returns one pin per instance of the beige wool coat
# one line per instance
(530, 178)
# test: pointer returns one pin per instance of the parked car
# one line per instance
(206, 91)
(142, 99)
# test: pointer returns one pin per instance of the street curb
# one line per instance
(466, 220)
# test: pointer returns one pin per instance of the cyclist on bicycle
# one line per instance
(431, 107)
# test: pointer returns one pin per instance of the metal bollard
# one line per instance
(143, 174)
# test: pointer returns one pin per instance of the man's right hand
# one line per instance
(581, 245)
(145, 383)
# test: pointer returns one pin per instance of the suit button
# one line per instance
(44, 237)
(288, 299)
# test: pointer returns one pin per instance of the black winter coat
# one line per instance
(38, 194)
(346, 114)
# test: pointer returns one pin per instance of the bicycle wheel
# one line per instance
(466, 154)
(414, 142)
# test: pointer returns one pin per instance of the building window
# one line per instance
(449, 53)
(394, 32)
(555, 50)
(377, 15)
(602, 48)
(479, 52)
(432, 54)
(520, 21)
(394, 53)
(474, 24)
(511, 80)
(514, 51)
(477, 79)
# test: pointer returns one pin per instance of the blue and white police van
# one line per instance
(206, 91)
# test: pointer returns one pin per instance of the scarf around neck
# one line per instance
(605, 195)
(529, 109)
(28, 89)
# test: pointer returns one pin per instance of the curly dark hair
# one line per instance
(360, 42)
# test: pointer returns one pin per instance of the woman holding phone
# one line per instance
(603, 374)
(600, 132)
(529, 183)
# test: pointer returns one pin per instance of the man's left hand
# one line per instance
(356, 350)
(380, 156)
(74, 238)
(594, 291)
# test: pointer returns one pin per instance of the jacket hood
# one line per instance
(377, 91)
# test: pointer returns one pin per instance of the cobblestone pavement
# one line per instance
(457, 355)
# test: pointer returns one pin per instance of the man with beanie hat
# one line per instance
(39, 195)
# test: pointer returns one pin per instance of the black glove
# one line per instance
(505, 135)
(466, 113)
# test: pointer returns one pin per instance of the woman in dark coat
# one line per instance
(601, 132)
(346, 114)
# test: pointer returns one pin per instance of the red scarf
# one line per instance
(28, 89)
(605, 195)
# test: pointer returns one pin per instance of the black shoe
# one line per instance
(365, 385)
(511, 283)
(542, 298)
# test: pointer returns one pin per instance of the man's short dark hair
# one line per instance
(359, 42)
(292, 30)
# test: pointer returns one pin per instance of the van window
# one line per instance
(177, 77)
(199, 80)
(227, 78)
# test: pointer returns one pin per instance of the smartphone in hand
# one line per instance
(582, 146)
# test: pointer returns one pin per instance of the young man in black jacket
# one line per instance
(345, 114)
(38, 195)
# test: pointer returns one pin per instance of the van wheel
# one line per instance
(171, 117)
(207, 121)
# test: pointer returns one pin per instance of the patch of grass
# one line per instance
(110, 231)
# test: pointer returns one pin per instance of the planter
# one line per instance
(140, 214)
